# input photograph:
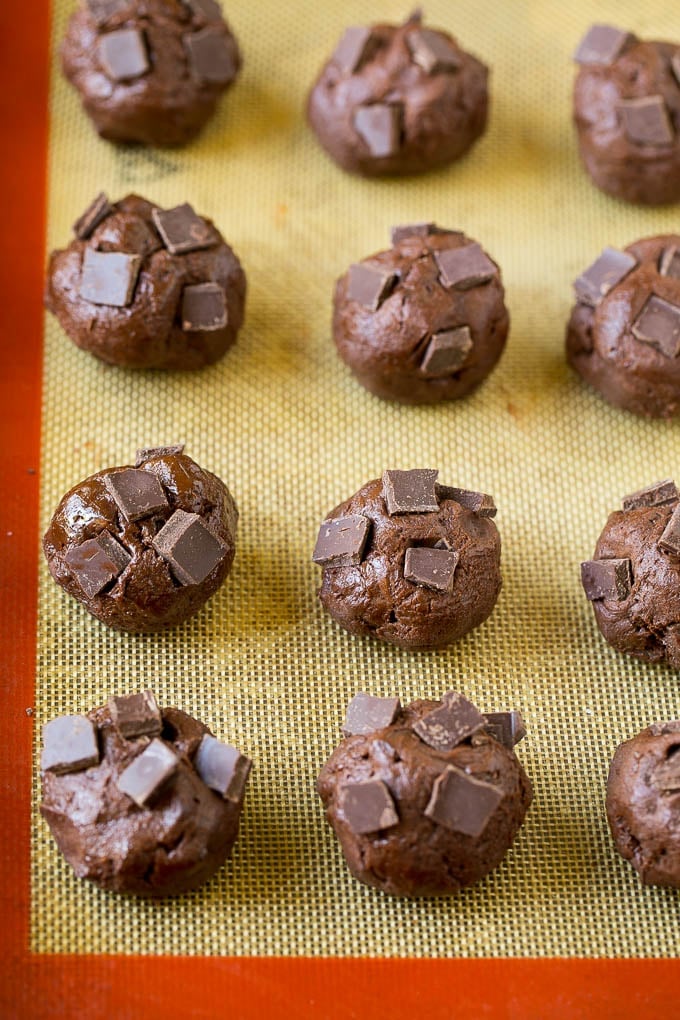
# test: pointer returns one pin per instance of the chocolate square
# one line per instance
(669, 263)
(506, 727)
(461, 803)
(136, 715)
(122, 54)
(659, 494)
(208, 9)
(607, 579)
(379, 126)
(446, 352)
(675, 66)
(370, 285)
(449, 725)
(102, 10)
(366, 714)
(95, 213)
(431, 51)
(109, 277)
(646, 121)
(480, 503)
(658, 324)
(367, 806)
(669, 540)
(137, 493)
(69, 745)
(96, 562)
(189, 547)
(341, 542)
(149, 772)
(223, 768)
(354, 49)
(466, 267)
(603, 275)
(431, 568)
(211, 58)
(182, 230)
(204, 308)
(410, 492)
(149, 452)
(601, 45)
(401, 233)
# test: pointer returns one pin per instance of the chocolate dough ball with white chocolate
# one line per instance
(141, 800)
(424, 321)
(424, 799)
(409, 561)
(144, 547)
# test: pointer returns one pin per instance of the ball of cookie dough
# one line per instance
(144, 547)
(141, 800)
(627, 114)
(623, 336)
(144, 287)
(633, 580)
(424, 321)
(643, 803)
(398, 100)
(424, 799)
(149, 70)
(409, 561)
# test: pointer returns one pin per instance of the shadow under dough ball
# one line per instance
(149, 70)
(144, 287)
(424, 321)
(409, 561)
(633, 580)
(144, 547)
(398, 100)
(627, 115)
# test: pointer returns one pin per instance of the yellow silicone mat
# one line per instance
(283, 423)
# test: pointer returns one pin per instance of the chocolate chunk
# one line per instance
(463, 268)
(607, 579)
(102, 10)
(660, 729)
(479, 502)
(506, 727)
(137, 493)
(666, 775)
(123, 55)
(669, 541)
(446, 352)
(354, 49)
(659, 494)
(96, 562)
(367, 806)
(69, 745)
(190, 548)
(182, 230)
(398, 234)
(341, 542)
(431, 568)
(658, 324)
(450, 724)
(223, 768)
(210, 56)
(109, 277)
(669, 263)
(366, 714)
(379, 125)
(149, 452)
(204, 8)
(603, 275)
(136, 715)
(432, 51)
(675, 66)
(97, 211)
(602, 44)
(646, 121)
(204, 308)
(370, 285)
(410, 492)
(461, 803)
(148, 772)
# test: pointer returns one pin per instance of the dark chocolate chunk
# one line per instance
(398, 234)
(97, 211)
(432, 51)
(658, 324)
(659, 494)
(204, 308)
(461, 803)
(379, 125)
(102, 10)
(606, 271)
(675, 66)
(669, 264)
(479, 502)
(354, 49)
(367, 806)
(137, 493)
(69, 745)
(446, 352)
(149, 771)
(432, 568)
(607, 579)
(182, 230)
(109, 277)
(123, 55)
(210, 56)
(370, 285)
(149, 452)
(136, 715)
(660, 729)
(96, 562)
(341, 542)
(646, 121)
(602, 44)
(669, 540)
(190, 548)
(449, 725)
(366, 714)
(463, 268)
(410, 492)
(666, 775)
(204, 8)
(506, 727)
(223, 768)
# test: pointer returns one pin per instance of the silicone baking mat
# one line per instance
(283, 423)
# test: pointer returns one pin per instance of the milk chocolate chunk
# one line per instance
(432, 51)
(370, 285)
(136, 715)
(204, 8)
(223, 768)
(69, 745)
(506, 727)
(123, 55)
(182, 230)
(410, 492)
(210, 56)
(137, 493)
(368, 806)
(670, 537)
(366, 714)
(660, 729)
(96, 562)
(601, 45)
(646, 121)
(341, 542)
(204, 308)
(606, 271)
(450, 724)
(461, 803)
(666, 775)
(95, 213)
(659, 494)
(446, 352)
(102, 10)
(433, 568)
(379, 125)
(148, 452)
(109, 278)
(353, 49)
(481, 503)
(190, 548)
(607, 579)
(400, 233)
(463, 268)
(658, 324)
(149, 772)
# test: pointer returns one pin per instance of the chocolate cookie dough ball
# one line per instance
(144, 547)
(624, 332)
(633, 580)
(424, 321)
(144, 287)
(398, 100)
(643, 803)
(424, 799)
(149, 70)
(627, 115)
(409, 561)
(141, 800)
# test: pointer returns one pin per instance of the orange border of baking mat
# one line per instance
(125, 987)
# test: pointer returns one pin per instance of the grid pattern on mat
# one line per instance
(284, 424)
